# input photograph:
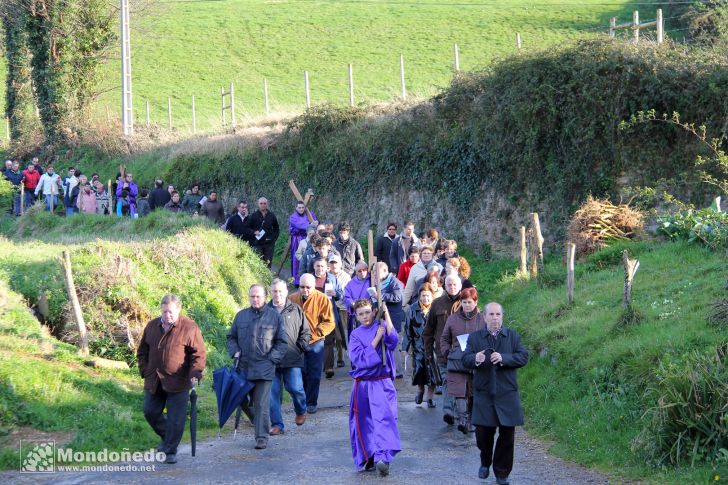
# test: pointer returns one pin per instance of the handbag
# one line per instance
(433, 371)
(455, 361)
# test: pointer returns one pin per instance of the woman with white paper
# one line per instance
(452, 343)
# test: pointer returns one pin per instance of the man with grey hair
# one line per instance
(257, 338)
(171, 358)
(264, 225)
(495, 353)
(288, 370)
(441, 309)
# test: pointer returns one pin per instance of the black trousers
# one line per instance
(502, 458)
(169, 427)
(266, 252)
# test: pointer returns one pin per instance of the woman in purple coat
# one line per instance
(297, 225)
(373, 406)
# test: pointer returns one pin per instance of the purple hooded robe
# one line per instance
(373, 406)
(297, 225)
(355, 289)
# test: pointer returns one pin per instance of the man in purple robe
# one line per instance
(297, 224)
(373, 406)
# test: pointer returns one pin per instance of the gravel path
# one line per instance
(319, 453)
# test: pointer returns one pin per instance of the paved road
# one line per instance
(319, 453)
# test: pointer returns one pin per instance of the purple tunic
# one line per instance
(355, 289)
(297, 225)
(373, 406)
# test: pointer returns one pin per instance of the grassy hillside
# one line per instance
(618, 395)
(121, 269)
(182, 49)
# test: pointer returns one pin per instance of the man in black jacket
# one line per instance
(237, 224)
(265, 229)
(384, 242)
(257, 337)
(159, 196)
(495, 353)
(298, 334)
(349, 249)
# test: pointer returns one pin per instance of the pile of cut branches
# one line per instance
(598, 223)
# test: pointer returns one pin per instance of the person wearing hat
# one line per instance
(340, 333)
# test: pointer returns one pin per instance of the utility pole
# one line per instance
(127, 120)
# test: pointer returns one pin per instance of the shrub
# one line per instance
(598, 223)
(707, 226)
(687, 420)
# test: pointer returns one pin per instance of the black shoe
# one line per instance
(418, 397)
(399, 376)
(502, 480)
(340, 363)
(261, 444)
(369, 467)
(431, 404)
(383, 468)
(160, 448)
(438, 390)
(329, 374)
(448, 419)
(483, 472)
(463, 429)
(171, 459)
(311, 409)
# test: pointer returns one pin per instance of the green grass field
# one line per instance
(190, 48)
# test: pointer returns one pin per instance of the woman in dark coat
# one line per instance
(459, 379)
(412, 341)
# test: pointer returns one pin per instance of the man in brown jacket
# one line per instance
(171, 358)
(441, 309)
(320, 314)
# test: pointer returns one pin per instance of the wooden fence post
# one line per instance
(457, 59)
(518, 40)
(636, 25)
(523, 268)
(265, 96)
(50, 201)
(194, 117)
(108, 115)
(22, 198)
(232, 105)
(169, 112)
(536, 245)
(308, 89)
(112, 209)
(660, 27)
(351, 85)
(7, 129)
(612, 26)
(630, 268)
(570, 253)
(401, 75)
(75, 305)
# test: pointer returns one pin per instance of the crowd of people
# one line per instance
(424, 313)
(415, 304)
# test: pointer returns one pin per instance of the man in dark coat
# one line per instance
(237, 224)
(442, 308)
(399, 251)
(213, 209)
(159, 196)
(349, 249)
(171, 358)
(288, 370)
(494, 353)
(258, 338)
(265, 231)
(384, 243)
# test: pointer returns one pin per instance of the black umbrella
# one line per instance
(244, 407)
(193, 419)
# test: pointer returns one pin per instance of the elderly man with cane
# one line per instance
(171, 358)
(494, 353)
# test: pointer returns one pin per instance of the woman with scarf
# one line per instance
(459, 378)
(427, 263)
(373, 403)
(412, 341)
(356, 289)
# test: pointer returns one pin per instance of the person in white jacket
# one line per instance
(426, 264)
(50, 184)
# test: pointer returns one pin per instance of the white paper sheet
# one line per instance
(463, 341)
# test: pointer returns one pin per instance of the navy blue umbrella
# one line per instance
(231, 386)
